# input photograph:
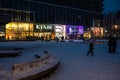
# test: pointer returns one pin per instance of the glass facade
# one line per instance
(98, 32)
(49, 12)
(24, 12)
(15, 15)
(62, 15)
(19, 30)
(74, 32)
(87, 35)
(44, 31)
(60, 31)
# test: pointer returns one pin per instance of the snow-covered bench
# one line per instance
(17, 68)
(38, 68)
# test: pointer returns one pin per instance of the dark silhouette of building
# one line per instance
(112, 22)
(19, 16)
(73, 12)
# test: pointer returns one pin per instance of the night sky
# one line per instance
(111, 5)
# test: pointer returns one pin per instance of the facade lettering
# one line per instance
(44, 27)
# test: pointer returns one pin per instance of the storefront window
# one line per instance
(97, 32)
(60, 31)
(87, 35)
(18, 30)
(74, 32)
(44, 31)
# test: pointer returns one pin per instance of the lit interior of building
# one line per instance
(18, 30)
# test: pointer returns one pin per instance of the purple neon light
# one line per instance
(80, 29)
(70, 29)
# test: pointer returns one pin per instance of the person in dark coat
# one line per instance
(57, 39)
(114, 44)
(110, 44)
(91, 49)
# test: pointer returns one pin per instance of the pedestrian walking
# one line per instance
(91, 47)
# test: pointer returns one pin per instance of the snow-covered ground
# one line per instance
(74, 64)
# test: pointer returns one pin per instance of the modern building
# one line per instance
(24, 14)
(112, 23)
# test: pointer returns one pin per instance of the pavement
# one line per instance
(74, 64)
